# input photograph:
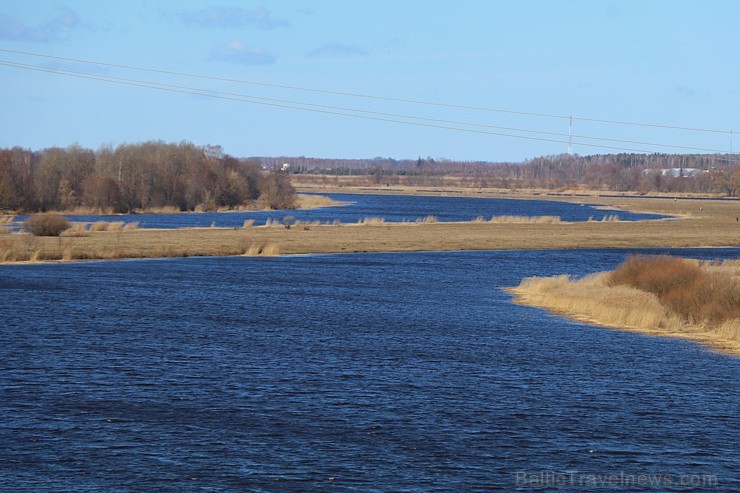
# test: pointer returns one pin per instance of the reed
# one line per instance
(167, 209)
(306, 201)
(99, 226)
(132, 226)
(427, 220)
(371, 221)
(525, 219)
(264, 249)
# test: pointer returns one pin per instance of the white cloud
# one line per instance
(13, 29)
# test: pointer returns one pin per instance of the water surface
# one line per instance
(392, 208)
(359, 372)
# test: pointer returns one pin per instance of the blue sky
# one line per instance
(646, 61)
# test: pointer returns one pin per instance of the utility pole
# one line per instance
(730, 141)
(570, 135)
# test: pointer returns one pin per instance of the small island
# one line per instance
(659, 295)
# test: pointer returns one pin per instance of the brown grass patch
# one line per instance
(692, 291)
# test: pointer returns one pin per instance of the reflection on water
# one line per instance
(362, 372)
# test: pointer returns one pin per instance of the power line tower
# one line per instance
(570, 135)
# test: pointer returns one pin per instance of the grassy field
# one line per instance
(660, 296)
(710, 223)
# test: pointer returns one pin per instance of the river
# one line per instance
(358, 372)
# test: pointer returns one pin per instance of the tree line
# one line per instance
(614, 172)
(139, 176)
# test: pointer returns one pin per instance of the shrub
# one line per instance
(46, 225)
(696, 294)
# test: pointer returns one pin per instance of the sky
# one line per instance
(471, 80)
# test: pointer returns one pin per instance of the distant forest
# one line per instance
(187, 177)
(132, 177)
(642, 173)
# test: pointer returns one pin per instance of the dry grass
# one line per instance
(167, 209)
(248, 224)
(77, 229)
(427, 220)
(305, 201)
(6, 224)
(525, 219)
(716, 227)
(600, 300)
(99, 226)
(254, 249)
(371, 221)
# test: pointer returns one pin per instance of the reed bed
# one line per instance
(167, 209)
(99, 226)
(525, 219)
(306, 225)
(306, 201)
(656, 295)
(261, 249)
(427, 220)
(371, 221)
(77, 229)
(6, 224)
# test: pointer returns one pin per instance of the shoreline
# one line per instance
(304, 202)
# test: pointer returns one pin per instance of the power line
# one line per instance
(289, 104)
(367, 96)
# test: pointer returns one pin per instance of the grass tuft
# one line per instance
(371, 221)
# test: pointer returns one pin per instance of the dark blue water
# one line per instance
(393, 208)
(361, 372)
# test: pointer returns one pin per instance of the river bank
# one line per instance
(711, 223)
